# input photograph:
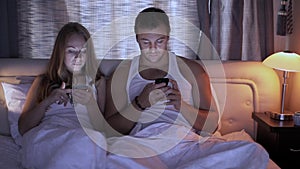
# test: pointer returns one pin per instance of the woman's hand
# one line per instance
(60, 95)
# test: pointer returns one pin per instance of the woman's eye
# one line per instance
(71, 51)
(83, 50)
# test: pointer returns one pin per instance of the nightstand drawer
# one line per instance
(280, 138)
(289, 142)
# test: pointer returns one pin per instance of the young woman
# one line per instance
(61, 119)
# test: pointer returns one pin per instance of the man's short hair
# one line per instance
(151, 18)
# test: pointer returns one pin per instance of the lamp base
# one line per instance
(281, 116)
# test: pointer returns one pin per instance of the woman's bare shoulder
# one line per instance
(40, 77)
(33, 93)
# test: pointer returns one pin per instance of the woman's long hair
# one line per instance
(57, 71)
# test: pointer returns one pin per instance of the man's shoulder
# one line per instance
(190, 61)
(122, 69)
(193, 64)
(123, 64)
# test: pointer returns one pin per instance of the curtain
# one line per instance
(110, 22)
(238, 29)
(8, 29)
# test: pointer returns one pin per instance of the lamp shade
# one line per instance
(285, 61)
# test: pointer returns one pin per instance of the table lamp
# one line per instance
(285, 61)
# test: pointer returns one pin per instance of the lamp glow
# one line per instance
(285, 61)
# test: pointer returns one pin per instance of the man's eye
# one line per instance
(145, 42)
(160, 41)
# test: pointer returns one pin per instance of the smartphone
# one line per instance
(83, 87)
(162, 80)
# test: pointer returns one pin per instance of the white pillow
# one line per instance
(238, 135)
(234, 136)
(15, 95)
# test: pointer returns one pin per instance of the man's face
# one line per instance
(153, 43)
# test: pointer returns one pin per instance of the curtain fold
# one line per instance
(110, 22)
(240, 29)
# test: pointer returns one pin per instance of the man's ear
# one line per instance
(136, 37)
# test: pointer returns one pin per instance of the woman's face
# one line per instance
(75, 53)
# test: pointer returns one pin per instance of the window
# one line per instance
(109, 21)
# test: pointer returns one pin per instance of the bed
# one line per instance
(239, 87)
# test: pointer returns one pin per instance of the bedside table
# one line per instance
(280, 138)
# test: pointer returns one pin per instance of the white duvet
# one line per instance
(146, 150)
(8, 158)
(60, 142)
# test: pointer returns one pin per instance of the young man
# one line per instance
(154, 63)
(167, 122)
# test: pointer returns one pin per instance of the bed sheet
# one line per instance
(9, 153)
(9, 150)
(243, 135)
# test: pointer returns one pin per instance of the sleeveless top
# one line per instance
(159, 112)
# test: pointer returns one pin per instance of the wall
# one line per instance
(293, 42)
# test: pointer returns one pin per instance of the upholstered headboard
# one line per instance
(249, 87)
(241, 88)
